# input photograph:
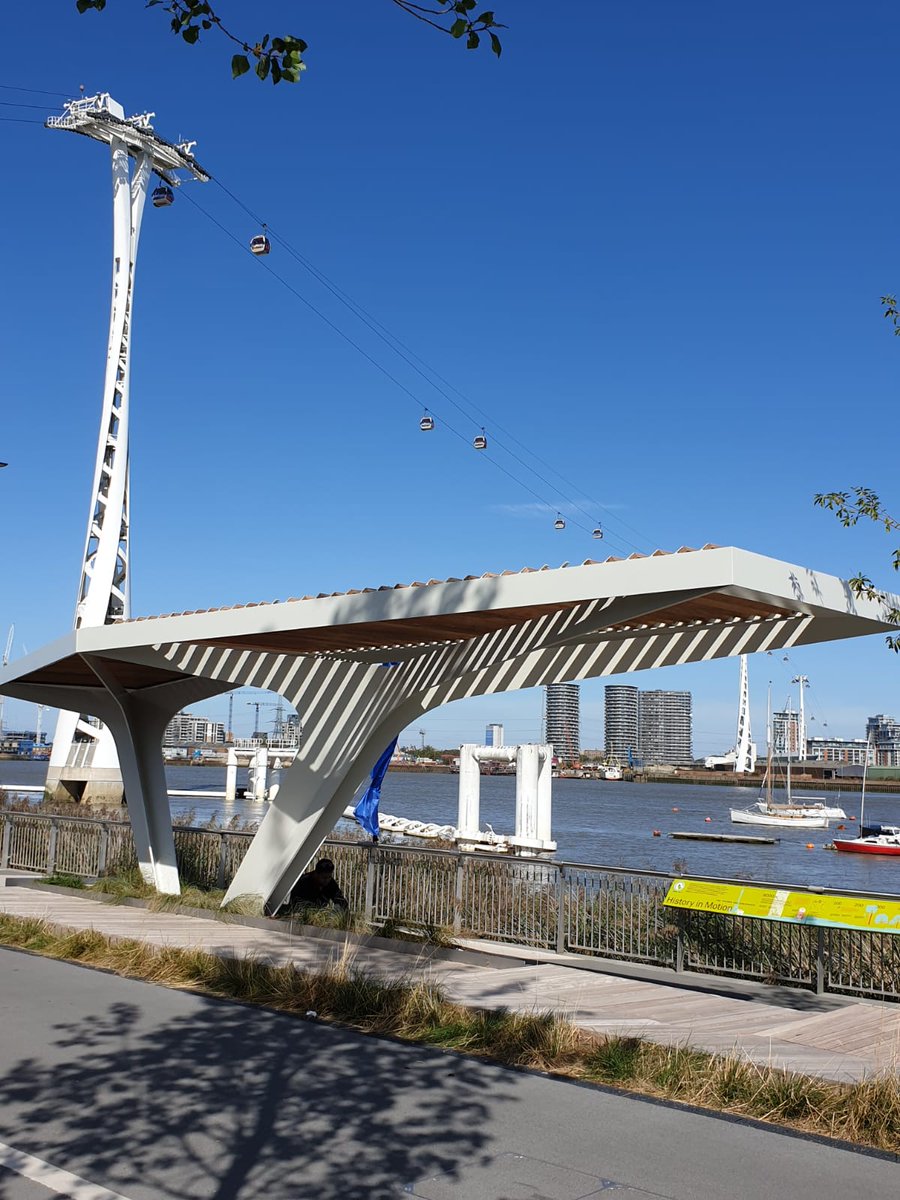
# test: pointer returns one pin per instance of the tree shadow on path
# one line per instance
(160, 1094)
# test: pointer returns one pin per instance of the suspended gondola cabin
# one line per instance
(163, 196)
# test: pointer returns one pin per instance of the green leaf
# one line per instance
(262, 67)
(276, 72)
(473, 40)
(458, 28)
(191, 34)
(485, 19)
(240, 65)
(495, 44)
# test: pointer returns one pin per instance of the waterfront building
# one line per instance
(851, 751)
(884, 734)
(188, 729)
(786, 735)
(562, 720)
(493, 735)
(621, 720)
(650, 728)
(22, 742)
(664, 725)
(288, 732)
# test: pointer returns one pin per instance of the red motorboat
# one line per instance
(873, 839)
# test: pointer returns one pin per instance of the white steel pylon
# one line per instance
(83, 763)
(744, 758)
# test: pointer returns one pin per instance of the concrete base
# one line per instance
(86, 785)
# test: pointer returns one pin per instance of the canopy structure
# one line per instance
(360, 666)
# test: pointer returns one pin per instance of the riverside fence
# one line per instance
(606, 912)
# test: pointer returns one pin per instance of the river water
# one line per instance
(609, 824)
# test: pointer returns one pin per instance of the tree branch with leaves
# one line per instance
(849, 507)
(281, 58)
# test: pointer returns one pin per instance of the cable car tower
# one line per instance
(83, 764)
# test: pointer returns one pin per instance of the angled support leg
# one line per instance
(138, 726)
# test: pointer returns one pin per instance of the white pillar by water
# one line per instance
(533, 794)
(231, 767)
(468, 820)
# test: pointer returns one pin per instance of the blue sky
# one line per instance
(649, 242)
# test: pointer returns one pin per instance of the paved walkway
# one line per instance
(825, 1036)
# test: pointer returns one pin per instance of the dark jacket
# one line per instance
(307, 893)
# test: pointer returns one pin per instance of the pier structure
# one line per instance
(363, 665)
(534, 769)
(83, 763)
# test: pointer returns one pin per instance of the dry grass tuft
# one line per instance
(866, 1113)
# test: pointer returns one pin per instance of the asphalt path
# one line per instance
(112, 1088)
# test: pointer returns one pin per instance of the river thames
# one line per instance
(609, 824)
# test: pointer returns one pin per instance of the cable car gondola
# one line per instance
(559, 523)
(260, 243)
(480, 441)
(427, 422)
(598, 533)
(162, 196)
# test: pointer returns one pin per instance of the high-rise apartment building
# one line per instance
(884, 734)
(786, 735)
(653, 728)
(562, 720)
(664, 724)
(493, 735)
(621, 720)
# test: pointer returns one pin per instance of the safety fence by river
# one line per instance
(607, 912)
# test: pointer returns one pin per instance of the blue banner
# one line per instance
(366, 812)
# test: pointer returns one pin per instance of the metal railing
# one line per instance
(605, 912)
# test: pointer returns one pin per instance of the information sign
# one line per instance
(776, 904)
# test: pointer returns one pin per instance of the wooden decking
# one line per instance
(826, 1036)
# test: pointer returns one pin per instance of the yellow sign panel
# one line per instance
(775, 904)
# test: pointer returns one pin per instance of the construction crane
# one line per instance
(279, 712)
(6, 654)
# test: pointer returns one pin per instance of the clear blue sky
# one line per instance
(650, 241)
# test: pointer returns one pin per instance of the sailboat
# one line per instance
(873, 839)
(789, 815)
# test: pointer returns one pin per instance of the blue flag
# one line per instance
(366, 812)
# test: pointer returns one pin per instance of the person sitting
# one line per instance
(317, 889)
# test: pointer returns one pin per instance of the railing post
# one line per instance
(370, 884)
(680, 940)
(220, 874)
(51, 847)
(458, 894)
(561, 910)
(820, 960)
(103, 849)
(4, 850)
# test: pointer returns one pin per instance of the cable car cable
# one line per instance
(374, 362)
(9, 87)
(390, 338)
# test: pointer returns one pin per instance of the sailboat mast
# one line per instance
(862, 800)
(788, 731)
(769, 747)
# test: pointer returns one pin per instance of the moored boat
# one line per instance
(803, 808)
(789, 820)
(791, 814)
(873, 839)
